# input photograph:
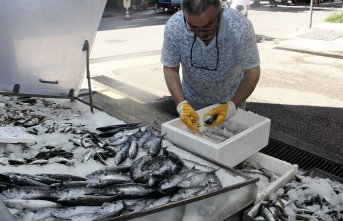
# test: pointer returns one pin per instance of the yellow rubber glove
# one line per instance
(221, 113)
(188, 115)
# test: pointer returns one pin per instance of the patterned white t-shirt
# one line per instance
(237, 50)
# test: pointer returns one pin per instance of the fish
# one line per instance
(118, 132)
(41, 179)
(167, 170)
(28, 100)
(127, 191)
(214, 136)
(154, 163)
(145, 138)
(68, 184)
(87, 155)
(33, 121)
(108, 210)
(214, 183)
(39, 162)
(122, 154)
(108, 179)
(118, 141)
(210, 119)
(113, 149)
(173, 157)
(56, 152)
(136, 172)
(111, 127)
(17, 162)
(39, 214)
(72, 192)
(112, 169)
(99, 157)
(155, 146)
(50, 129)
(30, 192)
(63, 177)
(186, 193)
(197, 166)
(29, 204)
(195, 180)
(170, 184)
(72, 211)
(158, 202)
(87, 200)
(6, 185)
(133, 150)
(137, 206)
(21, 180)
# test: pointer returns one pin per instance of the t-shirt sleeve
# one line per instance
(171, 50)
(248, 54)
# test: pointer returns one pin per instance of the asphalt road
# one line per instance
(301, 93)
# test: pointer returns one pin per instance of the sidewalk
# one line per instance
(323, 38)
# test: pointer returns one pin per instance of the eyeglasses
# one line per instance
(194, 39)
(201, 66)
(197, 30)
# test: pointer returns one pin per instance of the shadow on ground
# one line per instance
(319, 126)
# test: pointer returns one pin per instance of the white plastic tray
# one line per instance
(284, 170)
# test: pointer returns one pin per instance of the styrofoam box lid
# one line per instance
(42, 40)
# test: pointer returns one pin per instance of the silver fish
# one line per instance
(186, 193)
(133, 151)
(197, 166)
(29, 204)
(158, 202)
(110, 209)
(122, 154)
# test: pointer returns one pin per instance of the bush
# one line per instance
(335, 18)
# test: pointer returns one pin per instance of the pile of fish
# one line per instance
(305, 198)
(223, 131)
(151, 181)
(140, 172)
(42, 117)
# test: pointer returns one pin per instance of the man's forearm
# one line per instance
(247, 85)
(172, 78)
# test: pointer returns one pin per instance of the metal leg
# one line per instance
(86, 48)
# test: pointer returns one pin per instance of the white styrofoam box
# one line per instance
(230, 152)
(284, 170)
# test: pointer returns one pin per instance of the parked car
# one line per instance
(254, 3)
(170, 5)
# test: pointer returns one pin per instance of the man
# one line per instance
(219, 57)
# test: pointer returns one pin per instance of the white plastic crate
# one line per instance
(230, 152)
(282, 169)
